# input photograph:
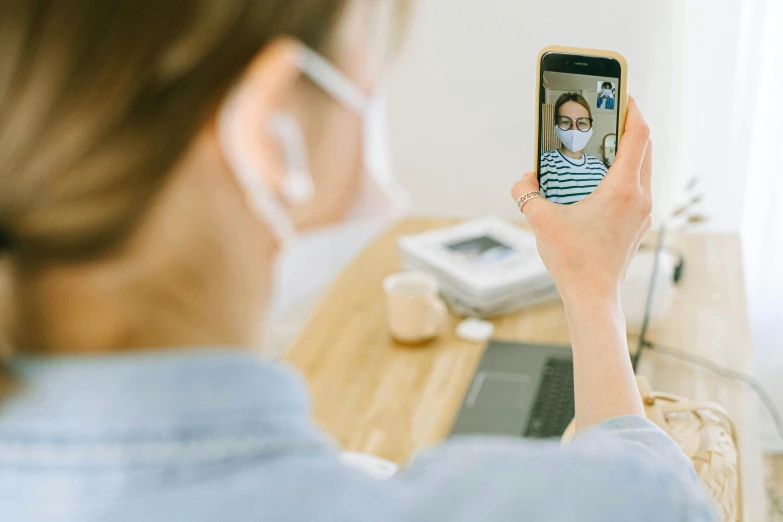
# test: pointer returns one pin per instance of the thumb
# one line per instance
(534, 207)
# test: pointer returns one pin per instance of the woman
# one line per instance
(568, 175)
(152, 167)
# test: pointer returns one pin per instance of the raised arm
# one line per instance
(587, 247)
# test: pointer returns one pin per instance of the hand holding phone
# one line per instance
(588, 246)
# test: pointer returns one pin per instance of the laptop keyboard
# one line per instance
(553, 408)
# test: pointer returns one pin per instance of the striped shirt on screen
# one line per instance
(564, 180)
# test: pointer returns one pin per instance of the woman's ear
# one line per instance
(243, 120)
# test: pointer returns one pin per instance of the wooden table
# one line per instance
(378, 397)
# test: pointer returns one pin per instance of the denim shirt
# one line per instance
(605, 103)
(220, 435)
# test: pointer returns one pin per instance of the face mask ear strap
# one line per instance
(334, 82)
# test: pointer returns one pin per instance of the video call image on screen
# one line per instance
(578, 134)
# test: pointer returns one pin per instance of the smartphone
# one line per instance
(581, 105)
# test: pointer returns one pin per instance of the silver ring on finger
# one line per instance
(524, 198)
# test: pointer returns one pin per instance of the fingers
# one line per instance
(529, 183)
(633, 145)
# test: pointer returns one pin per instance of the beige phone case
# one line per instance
(623, 98)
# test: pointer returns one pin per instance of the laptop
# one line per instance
(523, 390)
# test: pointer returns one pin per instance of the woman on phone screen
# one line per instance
(568, 175)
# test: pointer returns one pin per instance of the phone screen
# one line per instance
(578, 124)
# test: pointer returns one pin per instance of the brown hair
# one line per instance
(100, 98)
(574, 97)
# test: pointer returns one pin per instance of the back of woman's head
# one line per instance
(98, 99)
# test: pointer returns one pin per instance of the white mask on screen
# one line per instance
(607, 93)
(309, 260)
(574, 139)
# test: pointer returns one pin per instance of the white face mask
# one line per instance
(308, 261)
(607, 92)
(574, 139)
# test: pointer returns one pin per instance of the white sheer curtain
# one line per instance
(762, 228)
(731, 99)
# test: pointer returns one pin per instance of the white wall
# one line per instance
(763, 223)
(716, 108)
(462, 96)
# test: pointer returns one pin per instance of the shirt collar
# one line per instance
(572, 161)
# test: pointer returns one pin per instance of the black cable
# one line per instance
(649, 303)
